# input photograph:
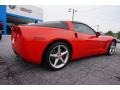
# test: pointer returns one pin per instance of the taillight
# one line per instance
(15, 33)
(16, 30)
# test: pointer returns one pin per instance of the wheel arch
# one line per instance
(114, 41)
(55, 41)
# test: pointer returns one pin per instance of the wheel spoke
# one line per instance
(110, 50)
(53, 55)
(113, 50)
(56, 61)
(61, 59)
(59, 50)
(63, 53)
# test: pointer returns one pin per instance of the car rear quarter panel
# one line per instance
(39, 38)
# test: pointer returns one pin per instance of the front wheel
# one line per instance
(111, 48)
(57, 56)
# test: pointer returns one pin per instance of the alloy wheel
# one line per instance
(59, 56)
(112, 48)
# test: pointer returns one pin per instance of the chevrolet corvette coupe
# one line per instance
(57, 42)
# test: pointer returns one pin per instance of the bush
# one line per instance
(109, 33)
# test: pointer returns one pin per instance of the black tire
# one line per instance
(15, 53)
(48, 52)
(108, 51)
(0, 37)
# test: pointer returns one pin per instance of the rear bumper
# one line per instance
(29, 52)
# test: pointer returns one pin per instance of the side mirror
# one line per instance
(98, 34)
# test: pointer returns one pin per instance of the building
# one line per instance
(19, 14)
(3, 17)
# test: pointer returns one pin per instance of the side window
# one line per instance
(60, 24)
(83, 28)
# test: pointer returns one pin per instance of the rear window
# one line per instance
(60, 24)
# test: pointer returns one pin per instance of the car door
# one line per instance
(88, 42)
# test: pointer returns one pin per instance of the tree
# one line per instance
(109, 33)
(118, 35)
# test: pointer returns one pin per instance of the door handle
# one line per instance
(76, 35)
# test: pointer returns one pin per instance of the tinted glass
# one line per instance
(60, 24)
(83, 28)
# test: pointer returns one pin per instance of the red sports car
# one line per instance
(56, 43)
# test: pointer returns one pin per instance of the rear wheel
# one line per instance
(57, 56)
(111, 48)
(15, 53)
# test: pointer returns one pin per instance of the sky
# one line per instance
(106, 16)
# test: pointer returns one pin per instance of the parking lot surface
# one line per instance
(101, 69)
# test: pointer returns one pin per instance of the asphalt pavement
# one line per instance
(94, 70)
